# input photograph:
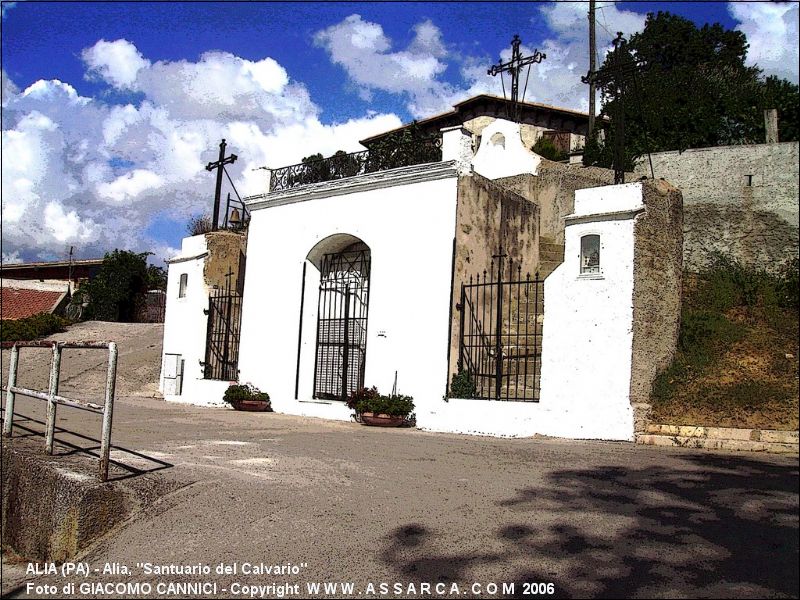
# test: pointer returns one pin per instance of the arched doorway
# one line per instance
(342, 309)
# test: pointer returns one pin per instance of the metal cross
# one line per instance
(219, 165)
(514, 66)
(614, 74)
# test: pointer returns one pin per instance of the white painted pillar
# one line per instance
(457, 146)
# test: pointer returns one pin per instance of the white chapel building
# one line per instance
(445, 247)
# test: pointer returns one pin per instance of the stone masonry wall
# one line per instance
(738, 200)
(553, 189)
(657, 281)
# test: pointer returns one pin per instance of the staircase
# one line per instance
(551, 254)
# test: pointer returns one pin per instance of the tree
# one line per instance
(692, 90)
(119, 288)
(546, 148)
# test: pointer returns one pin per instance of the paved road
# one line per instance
(365, 505)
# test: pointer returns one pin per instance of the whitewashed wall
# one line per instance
(587, 337)
(407, 218)
(185, 326)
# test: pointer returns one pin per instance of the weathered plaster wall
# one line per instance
(756, 223)
(657, 280)
(490, 217)
(225, 254)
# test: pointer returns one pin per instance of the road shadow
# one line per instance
(707, 526)
(119, 470)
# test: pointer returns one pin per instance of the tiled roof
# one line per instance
(21, 303)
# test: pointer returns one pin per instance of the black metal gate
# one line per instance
(501, 332)
(342, 322)
(222, 336)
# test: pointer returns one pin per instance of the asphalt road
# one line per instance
(346, 503)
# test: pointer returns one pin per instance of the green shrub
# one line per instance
(246, 391)
(368, 400)
(31, 328)
(360, 395)
(728, 283)
(462, 385)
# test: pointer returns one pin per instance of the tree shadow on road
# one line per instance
(709, 526)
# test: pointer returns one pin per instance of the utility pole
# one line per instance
(220, 166)
(592, 69)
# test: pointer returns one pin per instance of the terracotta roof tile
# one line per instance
(21, 303)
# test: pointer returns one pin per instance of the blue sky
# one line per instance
(112, 109)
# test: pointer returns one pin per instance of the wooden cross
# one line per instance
(514, 66)
(220, 166)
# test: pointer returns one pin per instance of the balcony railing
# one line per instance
(380, 157)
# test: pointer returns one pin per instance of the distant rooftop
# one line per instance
(533, 113)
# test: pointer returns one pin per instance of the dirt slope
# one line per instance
(83, 371)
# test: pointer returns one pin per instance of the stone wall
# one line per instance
(657, 279)
(553, 190)
(738, 200)
(488, 217)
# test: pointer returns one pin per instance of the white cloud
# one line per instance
(127, 187)
(117, 63)
(79, 171)
(772, 32)
(364, 51)
(558, 78)
(66, 226)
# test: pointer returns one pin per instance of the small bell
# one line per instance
(235, 219)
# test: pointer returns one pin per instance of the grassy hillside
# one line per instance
(737, 359)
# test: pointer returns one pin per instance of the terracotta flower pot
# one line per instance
(381, 420)
(251, 405)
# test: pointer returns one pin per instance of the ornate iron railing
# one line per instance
(383, 156)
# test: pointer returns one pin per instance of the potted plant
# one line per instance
(377, 410)
(247, 397)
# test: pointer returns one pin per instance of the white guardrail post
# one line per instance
(10, 395)
(108, 410)
(55, 375)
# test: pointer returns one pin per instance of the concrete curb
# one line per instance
(720, 438)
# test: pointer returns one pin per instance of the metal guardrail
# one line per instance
(52, 397)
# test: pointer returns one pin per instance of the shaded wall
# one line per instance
(739, 200)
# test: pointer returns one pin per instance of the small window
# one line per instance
(590, 254)
(182, 285)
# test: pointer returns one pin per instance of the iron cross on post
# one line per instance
(614, 76)
(220, 166)
(514, 66)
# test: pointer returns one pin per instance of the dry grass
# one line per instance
(737, 366)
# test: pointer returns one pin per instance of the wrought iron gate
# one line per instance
(222, 336)
(342, 322)
(501, 333)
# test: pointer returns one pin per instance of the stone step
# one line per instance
(683, 441)
(726, 433)
(551, 255)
